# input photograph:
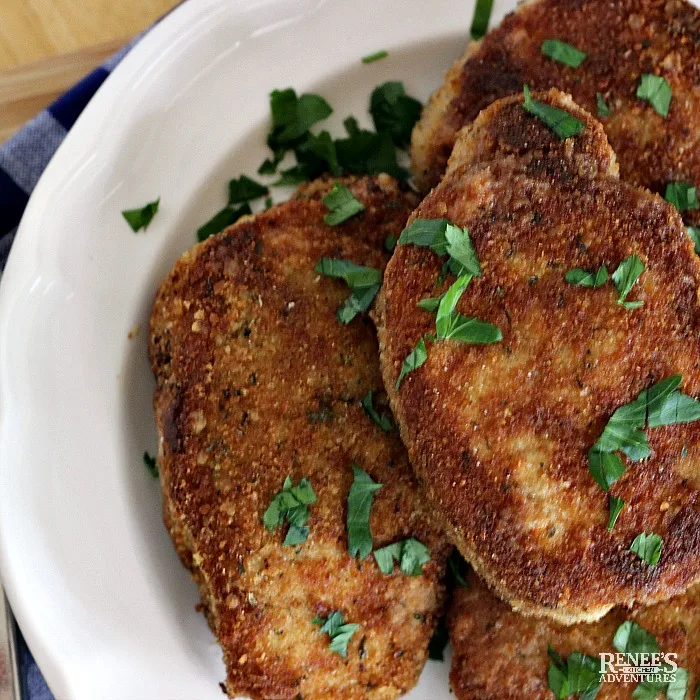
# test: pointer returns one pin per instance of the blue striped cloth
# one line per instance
(22, 160)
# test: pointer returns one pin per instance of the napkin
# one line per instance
(23, 158)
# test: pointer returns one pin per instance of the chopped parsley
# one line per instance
(364, 283)
(293, 116)
(563, 53)
(694, 235)
(578, 675)
(587, 278)
(615, 506)
(394, 112)
(383, 421)
(480, 20)
(430, 303)
(151, 464)
(605, 467)
(603, 109)
(563, 124)
(631, 638)
(140, 218)
(359, 506)
(367, 153)
(221, 220)
(390, 243)
(682, 195)
(376, 56)
(341, 205)
(647, 547)
(413, 360)
(656, 91)
(410, 554)
(244, 189)
(625, 277)
(338, 630)
(291, 504)
(439, 640)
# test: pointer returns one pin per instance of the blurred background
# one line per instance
(48, 45)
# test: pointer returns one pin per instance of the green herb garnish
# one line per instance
(605, 467)
(341, 205)
(458, 568)
(624, 278)
(293, 116)
(244, 189)
(291, 504)
(430, 303)
(439, 640)
(339, 632)
(587, 278)
(359, 507)
(364, 283)
(480, 20)
(151, 464)
(411, 555)
(413, 360)
(563, 124)
(615, 506)
(394, 112)
(682, 195)
(578, 675)
(383, 421)
(377, 56)
(667, 406)
(390, 243)
(563, 53)
(603, 109)
(631, 638)
(222, 220)
(647, 547)
(694, 235)
(140, 218)
(656, 91)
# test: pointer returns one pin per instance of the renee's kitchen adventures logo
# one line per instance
(650, 668)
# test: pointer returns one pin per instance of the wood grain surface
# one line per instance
(48, 45)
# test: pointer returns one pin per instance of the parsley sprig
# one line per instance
(394, 112)
(364, 283)
(359, 507)
(338, 630)
(577, 675)
(291, 504)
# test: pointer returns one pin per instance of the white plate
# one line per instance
(103, 601)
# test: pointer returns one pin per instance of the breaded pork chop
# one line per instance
(501, 655)
(500, 434)
(257, 380)
(622, 39)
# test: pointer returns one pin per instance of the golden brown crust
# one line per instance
(258, 380)
(623, 40)
(501, 655)
(499, 434)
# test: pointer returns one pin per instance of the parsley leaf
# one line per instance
(666, 406)
(364, 283)
(151, 465)
(586, 278)
(647, 547)
(603, 109)
(339, 632)
(605, 467)
(625, 277)
(458, 568)
(368, 153)
(427, 233)
(439, 640)
(563, 53)
(377, 56)
(291, 504)
(448, 302)
(578, 675)
(430, 303)
(394, 112)
(222, 220)
(244, 189)
(140, 218)
(656, 91)
(694, 235)
(480, 20)
(411, 555)
(563, 124)
(359, 507)
(466, 329)
(390, 243)
(413, 360)
(631, 638)
(682, 195)
(293, 116)
(383, 421)
(615, 505)
(623, 431)
(341, 204)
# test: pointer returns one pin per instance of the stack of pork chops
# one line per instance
(529, 396)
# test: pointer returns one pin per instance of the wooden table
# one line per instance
(48, 45)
